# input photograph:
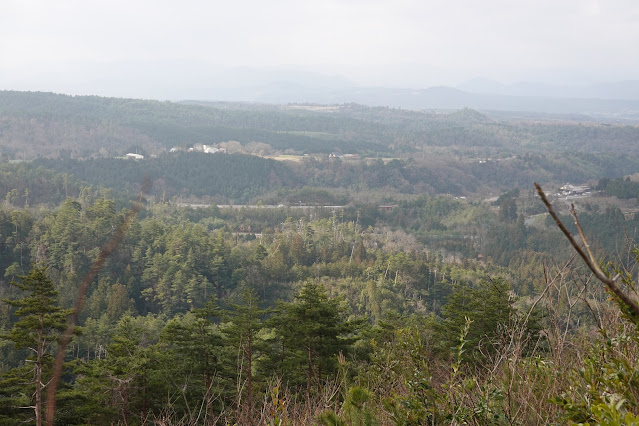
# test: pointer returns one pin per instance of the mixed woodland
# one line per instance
(419, 282)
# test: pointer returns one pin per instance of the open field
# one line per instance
(286, 157)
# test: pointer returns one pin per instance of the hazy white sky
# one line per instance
(87, 46)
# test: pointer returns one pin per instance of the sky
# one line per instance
(159, 48)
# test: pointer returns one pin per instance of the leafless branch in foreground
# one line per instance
(80, 299)
(588, 258)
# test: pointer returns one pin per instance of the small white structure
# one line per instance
(212, 150)
(344, 156)
(131, 156)
(569, 189)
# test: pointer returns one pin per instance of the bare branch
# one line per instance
(573, 213)
(588, 258)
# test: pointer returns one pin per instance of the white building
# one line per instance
(569, 189)
(212, 150)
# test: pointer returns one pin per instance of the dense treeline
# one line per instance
(229, 177)
(620, 188)
(24, 183)
(246, 179)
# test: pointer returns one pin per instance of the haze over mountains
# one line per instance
(615, 101)
(611, 108)
(611, 101)
(628, 89)
(603, 97)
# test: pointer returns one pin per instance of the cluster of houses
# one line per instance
(198, 147)
(208, 149)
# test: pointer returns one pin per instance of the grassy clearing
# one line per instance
(286, 157)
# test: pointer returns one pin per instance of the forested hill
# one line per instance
(34, 124)
(83, 126)
(237, 178)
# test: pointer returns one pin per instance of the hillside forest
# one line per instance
(332, 265)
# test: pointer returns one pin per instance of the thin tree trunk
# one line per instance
(145, 408)
(249, 373)
(38, 380)
(309, 374)
(208, 382)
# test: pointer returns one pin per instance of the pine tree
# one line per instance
(489, 305)
(193, 344)
(241, 334)
(313, 331)
(125, 383)
(38, 329)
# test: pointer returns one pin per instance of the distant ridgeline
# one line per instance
(34, 124)
(82, 126)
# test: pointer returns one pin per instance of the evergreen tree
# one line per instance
(38, 329)
(242, 335)
(193, 346)
(508, 210)
(313, 331)
(489, 305)
(126, 384)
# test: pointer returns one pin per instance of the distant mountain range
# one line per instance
(168, 80)
(616, 101)
(625, 90)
